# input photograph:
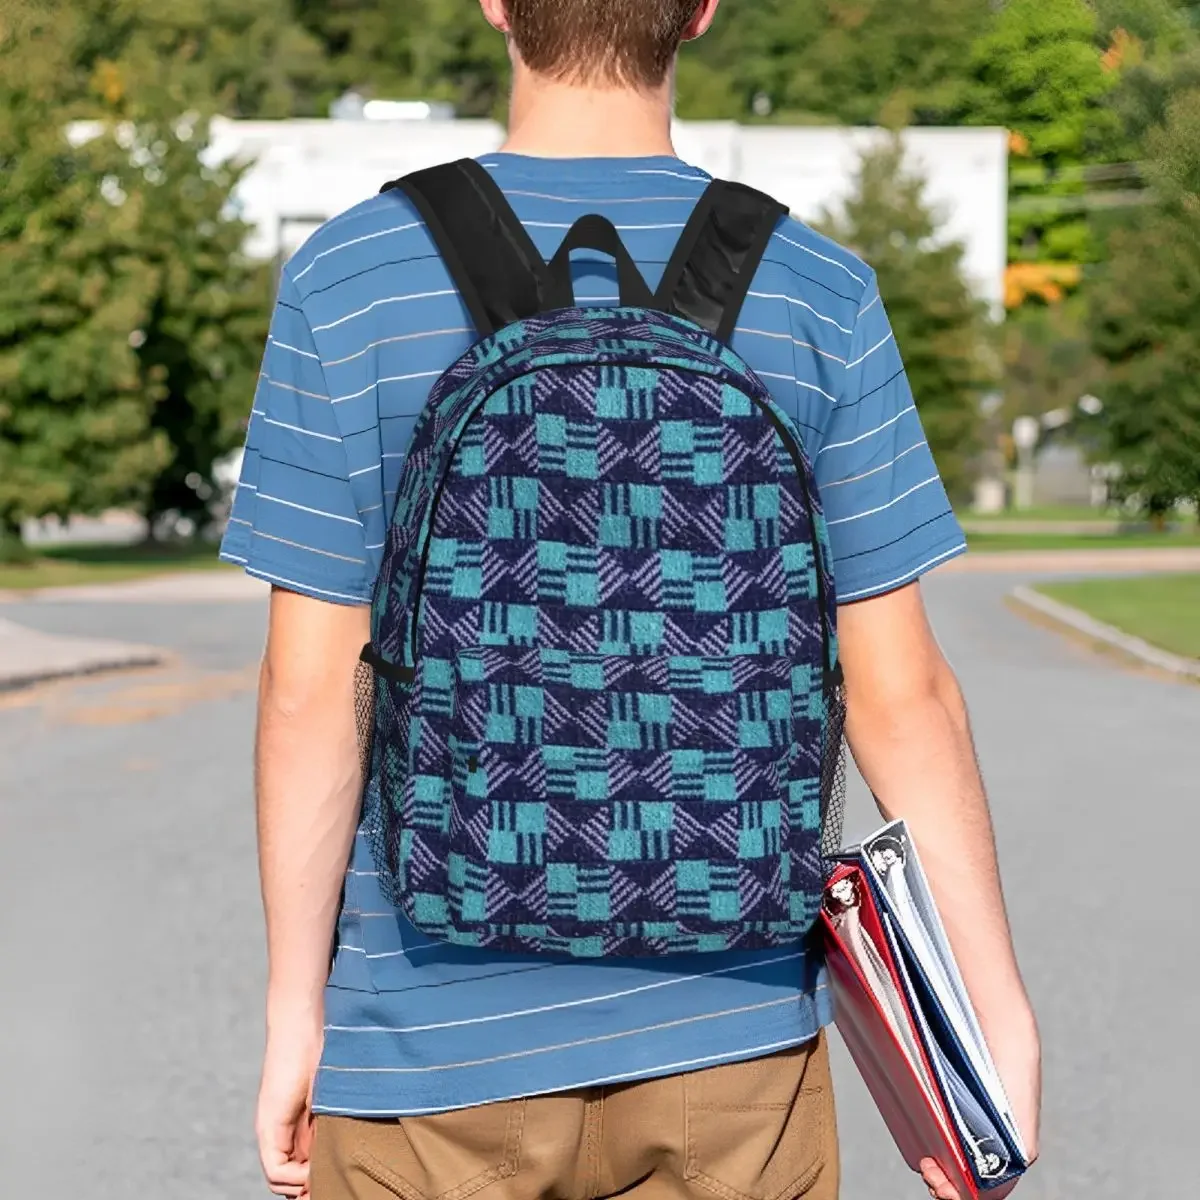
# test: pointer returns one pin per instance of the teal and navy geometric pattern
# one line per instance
(603, 570)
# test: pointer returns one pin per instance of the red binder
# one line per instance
(888, 1042)
(918, 1122)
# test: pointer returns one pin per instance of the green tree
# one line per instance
(1145, 314)
(368, 45)
(853, 61)
(75, 422)
(856, 62)
(942, 329)
(1039, 70)
(243, 58)
(130, 320)
(1049, 362)
(1159, 53)
(457, 56)
(443, 51)
(202, 338)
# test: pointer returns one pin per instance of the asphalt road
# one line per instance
(131, 962)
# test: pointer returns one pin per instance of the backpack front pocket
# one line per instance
(643, 795)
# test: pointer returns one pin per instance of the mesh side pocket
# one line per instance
(833, 772)
(385, 778)
(364, 716)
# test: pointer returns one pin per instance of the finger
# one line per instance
(937, 1181)
(287, 1179)
(305, 1135)
(305, 1128)
(944, 1192)
(287, 1175)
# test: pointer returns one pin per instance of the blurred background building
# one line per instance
(302, 172)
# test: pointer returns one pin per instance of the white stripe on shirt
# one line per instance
(673, 1068)
(862, 437)
(619, 228)
(787, 337)
(533, 1012)
(311, 549)
(879, 588)
(287, 387)
(325, 437)
(294, 349)
(873, 470)
(302, 587)
(823, 257)
(386, 379)
(672, 174)
(812, 387)
(584, 203)
(859, 361)
(316, 512)
(572, 1045)
(863, 311)
(402, 337)
(870, 512)
(800, 304)
(362, 312)
(367, 237)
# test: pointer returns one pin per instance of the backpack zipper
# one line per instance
(832, 670)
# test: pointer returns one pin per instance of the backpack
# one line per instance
(603, 708)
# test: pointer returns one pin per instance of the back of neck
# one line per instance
(552, 119)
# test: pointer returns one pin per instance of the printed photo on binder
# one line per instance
(905, 1015)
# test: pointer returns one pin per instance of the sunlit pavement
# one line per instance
(130, 1002)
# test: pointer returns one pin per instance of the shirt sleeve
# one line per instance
(888, 515)
(294, 521)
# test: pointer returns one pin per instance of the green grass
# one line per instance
(991, 542)
(1161, 609)
(1061, 512)
(66, 566)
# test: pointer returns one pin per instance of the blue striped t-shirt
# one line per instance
(367, 319)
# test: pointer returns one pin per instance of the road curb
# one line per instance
(186, 587)
(1079, 622)
(29, 657)
(1117, 560)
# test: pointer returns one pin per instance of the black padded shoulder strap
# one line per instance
(491, 258)
(712, 268)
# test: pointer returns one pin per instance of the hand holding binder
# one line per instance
(905, 1014)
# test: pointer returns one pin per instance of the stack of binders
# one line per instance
(904, 1013)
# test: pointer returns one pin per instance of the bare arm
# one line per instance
(309, 789)
(908, 729)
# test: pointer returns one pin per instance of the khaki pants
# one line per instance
(759, 1130)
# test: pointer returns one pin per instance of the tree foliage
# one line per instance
(866, 62)
(202, 339)
(854, 62)
(942, 330)
(1145, 314)
(75, 429)
(130, 322)
(243, 58)
(438, 50)
(368, 45)
(1040, 71)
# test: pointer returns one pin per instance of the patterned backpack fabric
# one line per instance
(603, 712)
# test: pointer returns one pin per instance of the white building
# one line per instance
(306, 171)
